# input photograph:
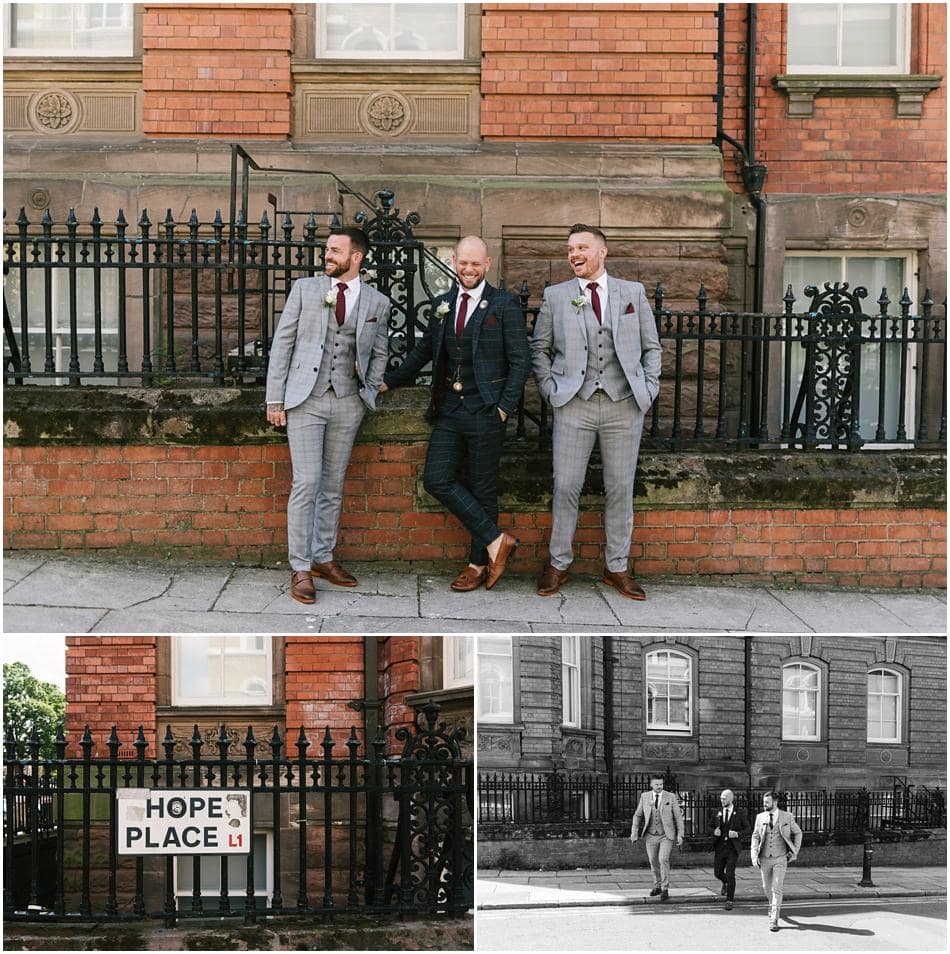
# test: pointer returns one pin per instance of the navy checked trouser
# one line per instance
(477, 439)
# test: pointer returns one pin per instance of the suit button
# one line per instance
(316, 369)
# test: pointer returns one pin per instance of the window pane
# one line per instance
(812, 34)
(237, 872)
(223, 669)
(400, 30)
(869, 35)
(199, 669)
(495, 678)
(78, 28)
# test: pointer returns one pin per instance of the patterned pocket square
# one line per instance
(629, 310)
(491, 320)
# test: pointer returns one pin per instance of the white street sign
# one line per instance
(163, 821)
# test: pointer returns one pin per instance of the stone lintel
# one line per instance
(908, 90)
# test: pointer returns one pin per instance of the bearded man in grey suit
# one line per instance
(659, 821)
(596, 357)
(327, 360)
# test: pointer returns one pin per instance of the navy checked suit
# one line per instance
(469, 428)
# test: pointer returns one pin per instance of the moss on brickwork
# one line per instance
(343, 933)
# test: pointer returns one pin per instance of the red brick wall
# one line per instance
(608, 71)
(110, 680)
(324, 673)
(850, 143)
(230, 502)
(217, 70)
(399, 670)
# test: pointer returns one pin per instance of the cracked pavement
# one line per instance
(89, 593)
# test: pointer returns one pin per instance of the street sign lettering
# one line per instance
(183, 822)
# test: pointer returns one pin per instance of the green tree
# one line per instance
(28, 704)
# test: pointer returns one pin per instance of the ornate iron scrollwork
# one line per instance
(433, 862)
(829, 390)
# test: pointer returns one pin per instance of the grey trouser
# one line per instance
(321, 432)
(659, 848)
(617, 425)
(773, 882)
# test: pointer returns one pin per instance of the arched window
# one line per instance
(885, 705)
(801, 702)
(669, 679)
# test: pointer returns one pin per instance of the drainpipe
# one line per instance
(753, 179)
(747, 693)
(609, 720)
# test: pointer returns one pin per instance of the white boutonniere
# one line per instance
(578, 303)
(442, 310)
(330, 300)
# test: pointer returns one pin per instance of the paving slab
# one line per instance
(50, 619)
(133, 621)
(824, 612)
(381, 624)
(15, 568)
(916, 610)
(78, 584)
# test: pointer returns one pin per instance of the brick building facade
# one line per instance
(796, 713)
(294, 682)
(519, 120)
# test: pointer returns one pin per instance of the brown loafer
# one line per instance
(625, 584)
(497, 566)
(469, 579)
(301, 587)
(333, 573)
(550, 580)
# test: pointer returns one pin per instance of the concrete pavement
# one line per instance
(91, 593)
(499, 890)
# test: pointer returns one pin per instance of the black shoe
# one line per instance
(728, 905)
(656, 890)
(664, 895)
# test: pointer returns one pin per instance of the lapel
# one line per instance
(613, 303)
(439, 336)
(479, 314)
(362, 310)
(321, 290)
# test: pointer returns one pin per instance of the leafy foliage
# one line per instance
(30, 704)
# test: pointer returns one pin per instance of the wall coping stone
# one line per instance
(717, 479)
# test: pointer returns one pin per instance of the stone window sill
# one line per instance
(908, 90)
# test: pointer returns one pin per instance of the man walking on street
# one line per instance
(327, 360)
(731, 827)
(596, 357)
(776, 841)
(659, 820)
(478, 347)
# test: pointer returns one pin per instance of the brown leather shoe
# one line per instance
(625, 584)
(301, 587)
(550, 580)
(497, 566)
(469, 579)
(333, 573)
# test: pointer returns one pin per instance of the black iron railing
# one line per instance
(186, 303)
(358, 832)
(506, 798)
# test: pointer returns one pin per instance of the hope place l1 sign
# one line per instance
(183, 821)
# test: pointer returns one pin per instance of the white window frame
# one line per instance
(899, 696)
(902, 43)
(689, 681)
(571, 680)
(506, 712)
(910, 283)
(451, 677)
(817, 692)
(234, 894)
(127, 48)
(178, 699)
(59, 293)
(387, 55)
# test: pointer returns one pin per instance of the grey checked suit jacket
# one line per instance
(559, 341)
(671, 816)
(297, 348)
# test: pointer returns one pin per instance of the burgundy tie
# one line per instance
(460, 317)
(595, 301)
(340, 303)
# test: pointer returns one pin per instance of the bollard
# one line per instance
(866, 881)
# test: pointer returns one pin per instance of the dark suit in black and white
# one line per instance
(727, 848)
(474, 376)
